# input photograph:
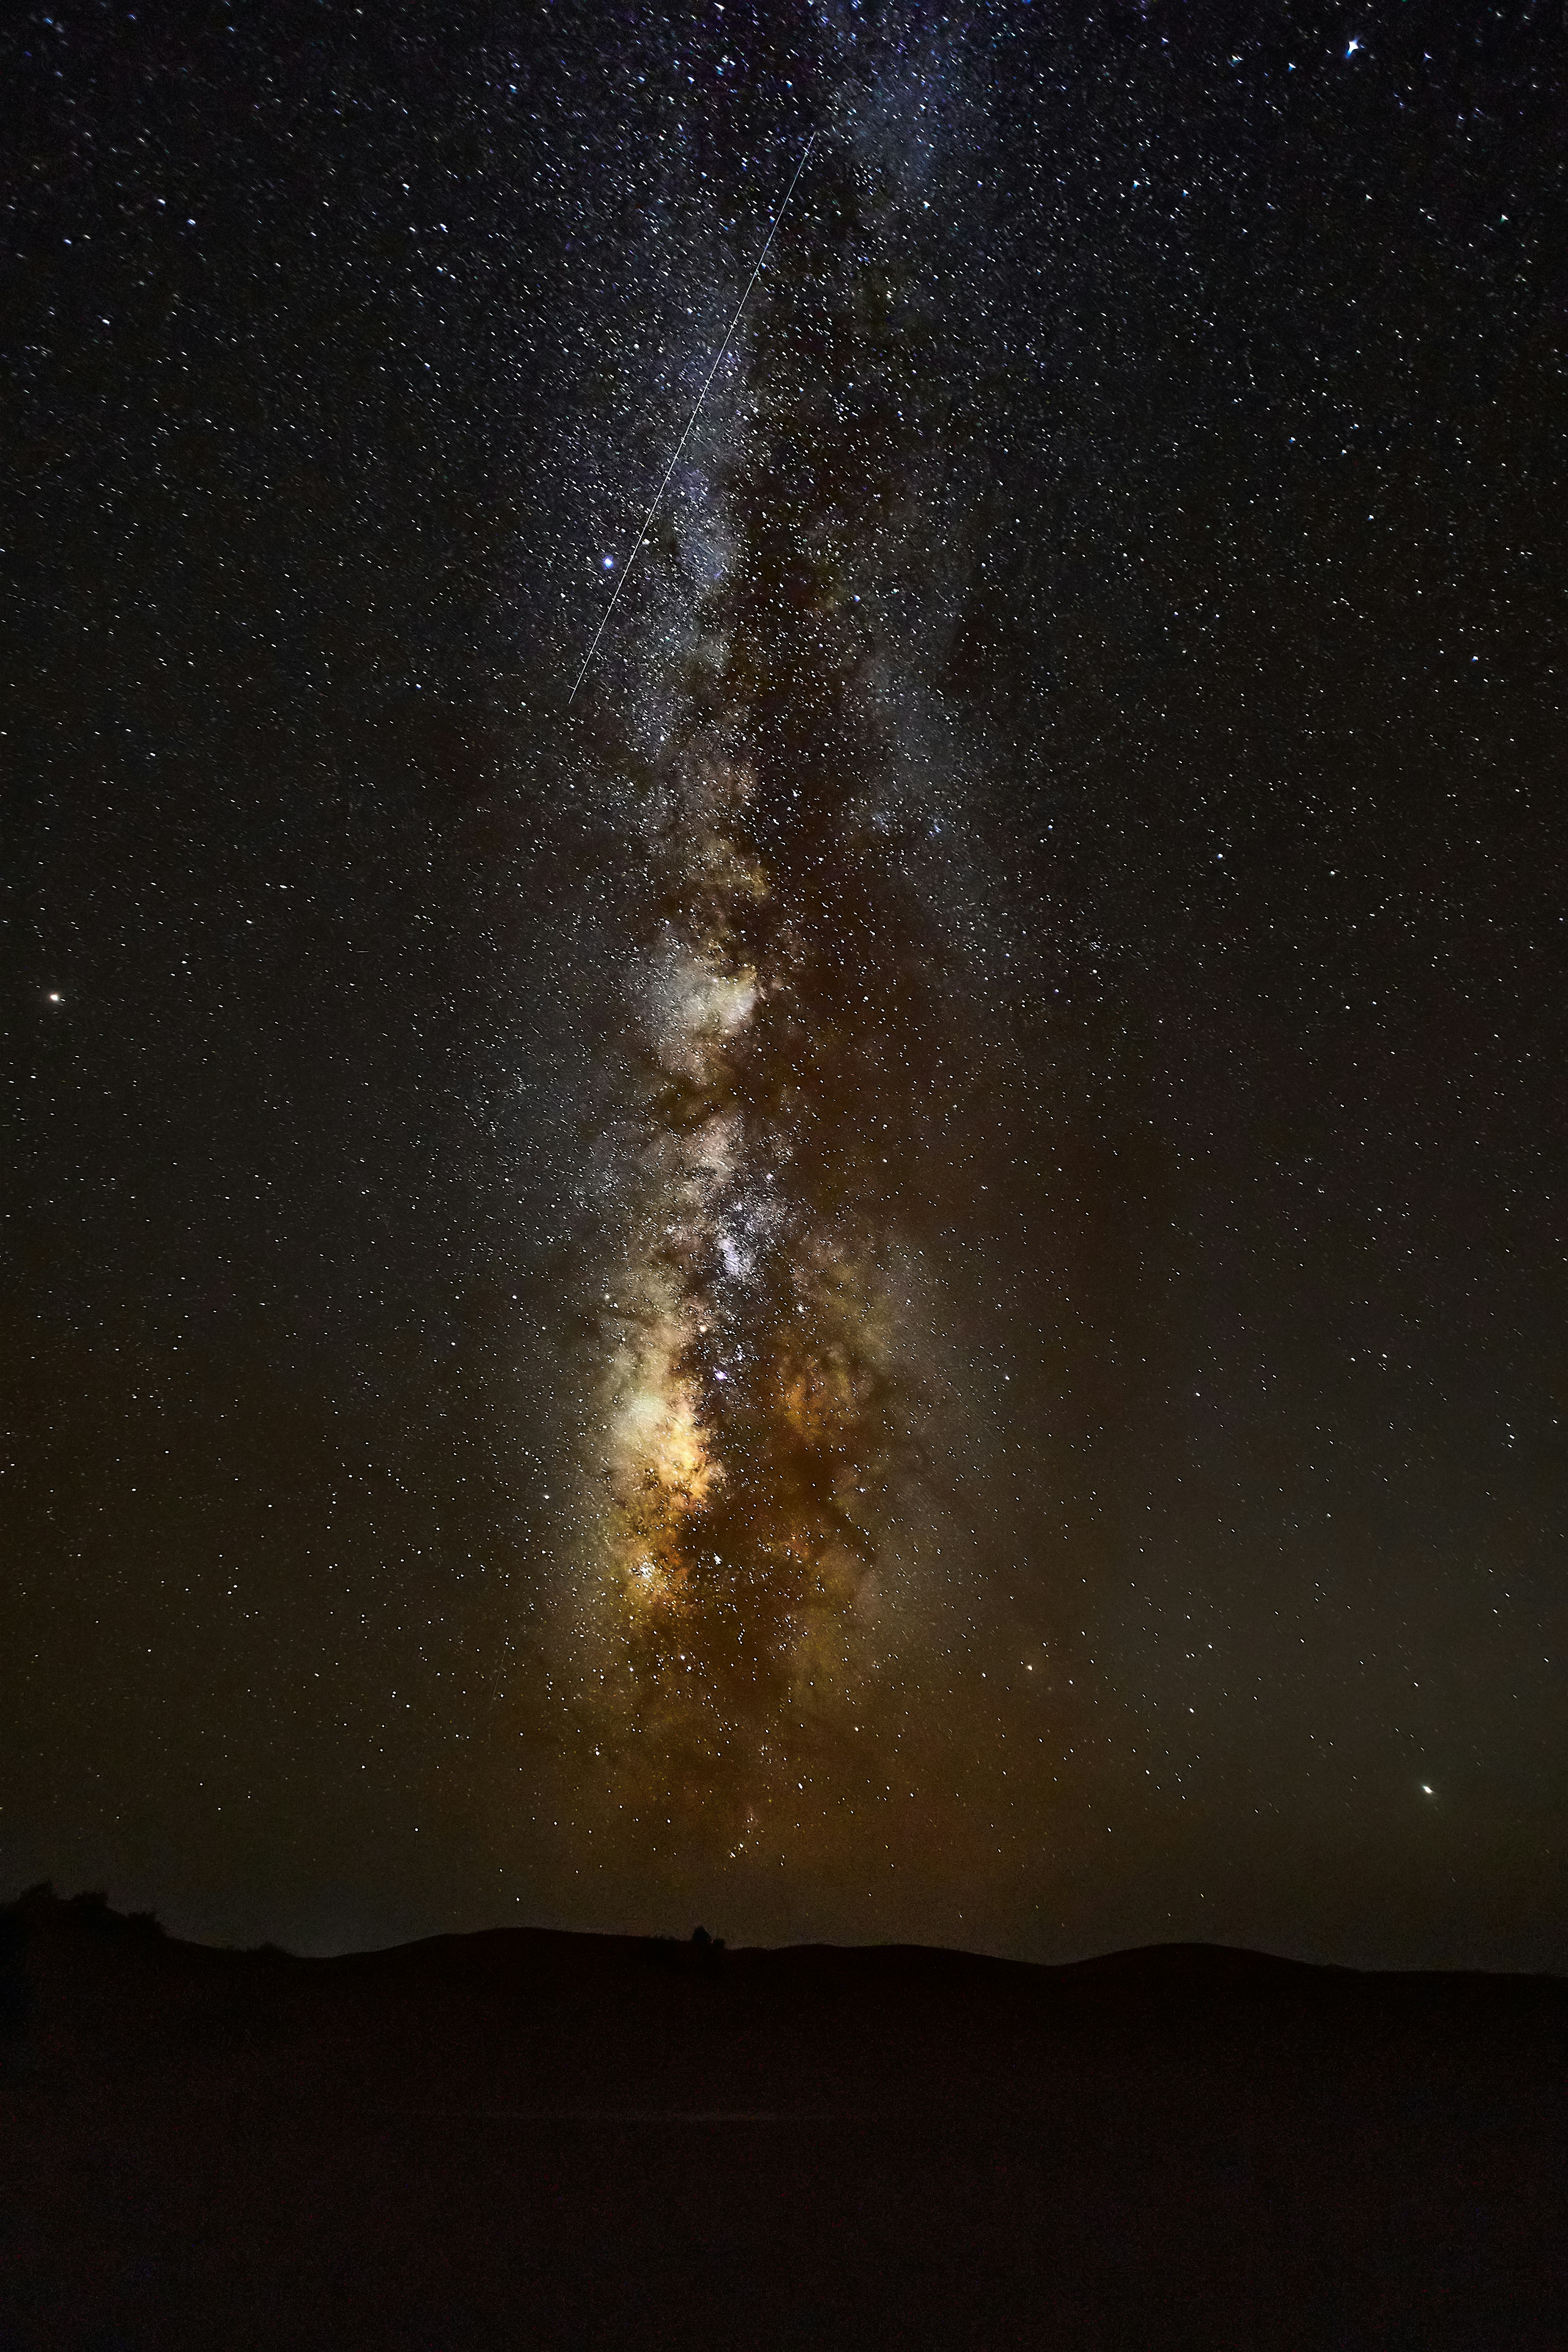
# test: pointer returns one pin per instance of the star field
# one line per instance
(900, 1273)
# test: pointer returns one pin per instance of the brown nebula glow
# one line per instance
(759, 1412)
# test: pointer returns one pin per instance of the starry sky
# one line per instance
(890, 1265)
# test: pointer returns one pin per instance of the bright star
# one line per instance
(1425, 1789)
(1353, 49)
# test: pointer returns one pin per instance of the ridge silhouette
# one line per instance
(529, 2136)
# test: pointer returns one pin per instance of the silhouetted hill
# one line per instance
(552, 2139)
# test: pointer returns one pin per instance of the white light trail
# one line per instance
(690, 421)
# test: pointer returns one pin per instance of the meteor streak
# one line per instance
(690, 421)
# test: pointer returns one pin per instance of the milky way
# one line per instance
(762, 1478)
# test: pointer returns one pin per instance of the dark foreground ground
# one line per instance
(551, 2140)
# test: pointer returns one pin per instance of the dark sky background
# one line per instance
(1123, 552)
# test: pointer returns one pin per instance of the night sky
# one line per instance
(898, 1274)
